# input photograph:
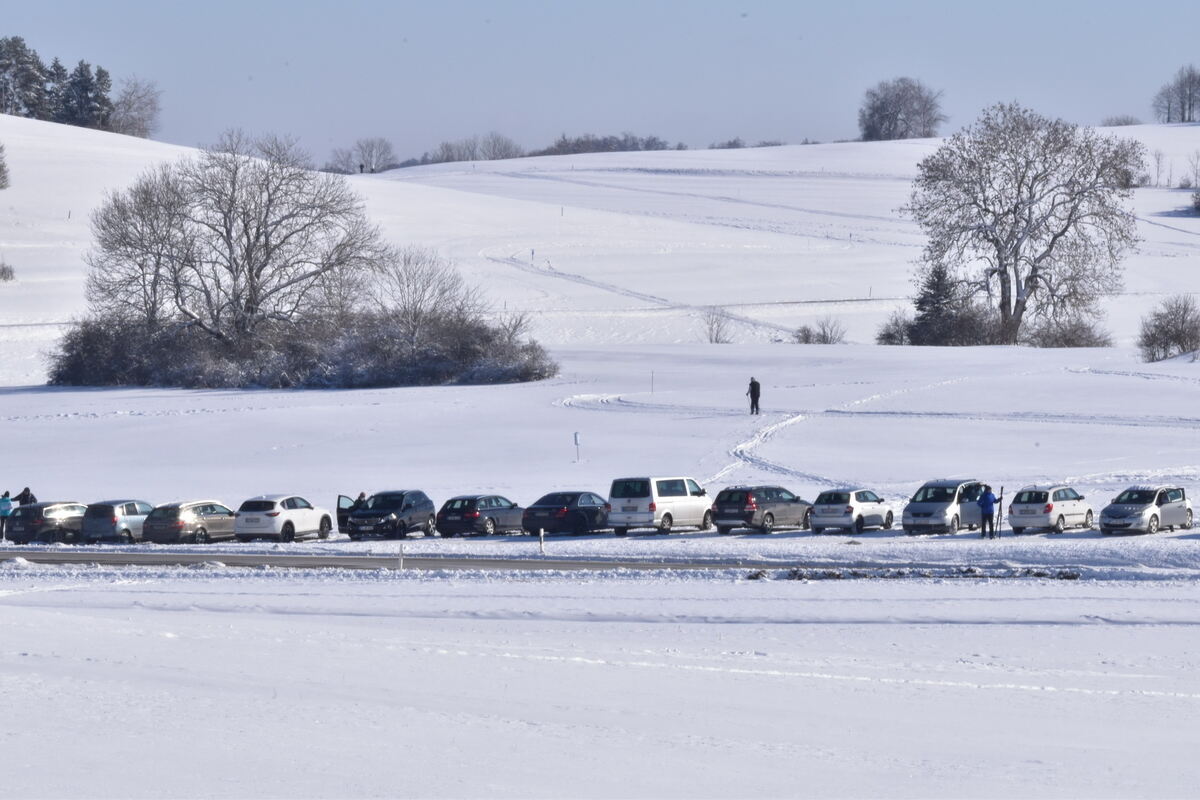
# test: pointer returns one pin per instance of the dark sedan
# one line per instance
(566, 512)
(46, 522)
(478, 513)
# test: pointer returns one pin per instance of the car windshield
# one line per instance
(1030, 497)
(630, 488)
(257, 505)
(384, 502)
(559, 499)
(833, 498)
(934, 494)
(95, 511)
(1136, 497)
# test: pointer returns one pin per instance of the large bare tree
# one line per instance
(136, 108)
(243, 234)
(417, 289)
(903, 108)
(1031, 210)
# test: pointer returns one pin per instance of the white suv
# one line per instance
(1054, 507)
(850, 509)
(281, 516)
(660, 503)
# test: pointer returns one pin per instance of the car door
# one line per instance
(593, 506)
(968, 506)
(871, 508)
(138, 522)
(344, 505)
(501, 510)
(306, 515)
(785, 506)
(218, 521)
(1178, 509)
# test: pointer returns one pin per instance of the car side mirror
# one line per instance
(703, 492)
(1081, 497)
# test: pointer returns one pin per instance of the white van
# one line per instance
(661, 503)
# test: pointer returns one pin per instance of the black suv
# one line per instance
(46, 522)
(478, 513)
(391, 514)
(762, 507)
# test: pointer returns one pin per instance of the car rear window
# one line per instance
(24, 511)
(732, 496)
(163, 512)
(99, 510)
(556, 500)
(460, 504)
(630, 488)
(833, 498)
(257, 505)
(1030, 497)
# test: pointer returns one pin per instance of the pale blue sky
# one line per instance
(421, 72)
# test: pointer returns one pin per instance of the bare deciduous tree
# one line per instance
(242, 234)
(1178, 100)
(136, 108)
(417, 288)
(903, 108)
(1120, 120)
(1158, 156)
(1034, 208)
(826, 330)
(716, 325)
(1172, 330)
(374, 154)
(496, 146)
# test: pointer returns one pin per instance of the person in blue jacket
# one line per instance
(6, 507)
(987, 513)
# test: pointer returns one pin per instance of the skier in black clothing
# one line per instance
(753, 391)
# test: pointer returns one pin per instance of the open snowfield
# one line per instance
(231, 682)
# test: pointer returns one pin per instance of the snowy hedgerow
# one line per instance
(1172, 330)
(827, 330)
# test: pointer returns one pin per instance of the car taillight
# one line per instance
(272, 513)
(1049, 507)
(653, 507)
(608, 508)
(562, 512)
(751, 503)
(39, 521)
(713, 508)
(179, 523)
(849, 510)
(114, 520)
(1010, 511)
(471, 515)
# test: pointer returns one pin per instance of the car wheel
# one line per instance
(127, 538)
(489, 526)
(706, 521)
(288, 534)
(768, 523)
(1187, 525)
(806, 523)
(724, 530)
(1060, 525)
(244, 539)
(954, 526)
(859, 524)
(1153, 526)
(620, 531)
(1089, 521)
(430, 527)
(664, 526)
(323, 528)
(1018, 531)
(200, 536)
(889, 521)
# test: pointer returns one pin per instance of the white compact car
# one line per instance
(285, 517)
(850, 509)
(1052, 507)
(661, 503)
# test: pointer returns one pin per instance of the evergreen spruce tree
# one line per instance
(56, 89)
(22, 79)
(79, 99)
(3, 169)
(102, 104)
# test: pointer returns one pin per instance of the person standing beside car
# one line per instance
(987, 513)
(6, 507)
(25, 498)
(754, 391)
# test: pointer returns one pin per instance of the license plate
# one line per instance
(453, 516)
(629, 508)
(541, 513)
(1028, 511)
(252, 520)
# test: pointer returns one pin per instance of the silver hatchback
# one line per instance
(115, 521)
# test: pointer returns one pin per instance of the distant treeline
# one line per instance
(375, 154)
(83, 96)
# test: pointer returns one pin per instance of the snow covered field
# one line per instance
(230, 682)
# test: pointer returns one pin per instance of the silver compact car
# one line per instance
(115, 520)
(944, 506)
(1055, 508)
(1147, 509)
(850, 509)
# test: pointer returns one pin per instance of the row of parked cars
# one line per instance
(658, 503)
